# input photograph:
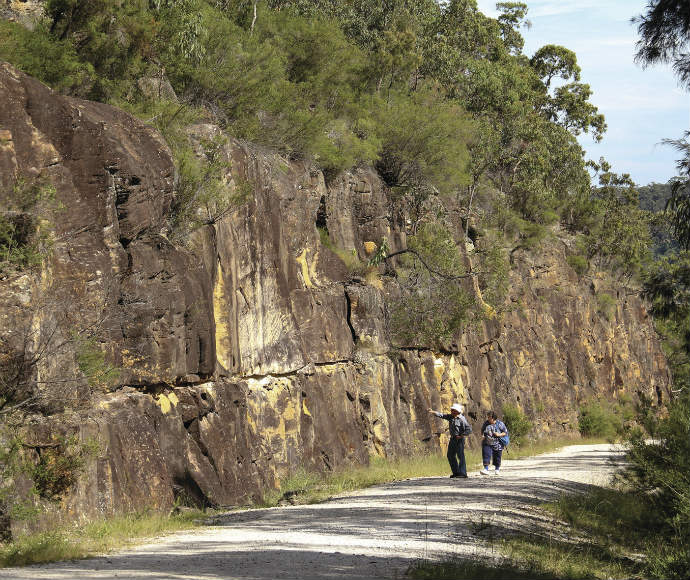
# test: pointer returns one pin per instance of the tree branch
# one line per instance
(432, 270)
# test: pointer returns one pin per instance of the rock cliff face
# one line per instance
(252, 349)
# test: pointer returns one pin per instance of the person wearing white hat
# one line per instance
(459, 428)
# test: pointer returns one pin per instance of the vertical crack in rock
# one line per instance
(349, 318)
(322, 215)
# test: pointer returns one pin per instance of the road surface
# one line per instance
(374, 533)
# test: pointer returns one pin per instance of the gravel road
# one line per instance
(374, 533)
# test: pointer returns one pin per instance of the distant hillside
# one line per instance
(653, 197)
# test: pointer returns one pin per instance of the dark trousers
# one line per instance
(489, 453)
(456, 456)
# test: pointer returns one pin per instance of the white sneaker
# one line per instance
(497, 472)
(484, 471)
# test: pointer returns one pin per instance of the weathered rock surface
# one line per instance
(253, 350)
(25, 12)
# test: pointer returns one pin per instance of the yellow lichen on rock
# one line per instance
(302, 261)
(308, 268)
(164, 403)
(305, 410)
(455, 380)
(221, 309)
(274, 412)
(486, 394)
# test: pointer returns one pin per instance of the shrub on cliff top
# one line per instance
(52, 61)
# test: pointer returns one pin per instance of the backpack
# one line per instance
(505, 440)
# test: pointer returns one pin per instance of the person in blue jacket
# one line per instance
(492, 448)
(456, 445)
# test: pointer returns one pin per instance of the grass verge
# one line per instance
(97, 537)
(304, 486)
(607, 533)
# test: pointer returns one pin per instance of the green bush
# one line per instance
(52, 61)
(433, 306)
(578, 263)
(424, 139)
(603, 419)
(660, 469)
(92, 362)
(25, 230)
(517, 422)
(606, 305)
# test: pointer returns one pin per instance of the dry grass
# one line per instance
(98, 537)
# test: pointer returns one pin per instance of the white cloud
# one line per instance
(557, 8)
(541, 8)
(632, 99)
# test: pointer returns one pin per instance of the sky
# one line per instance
(641, 106)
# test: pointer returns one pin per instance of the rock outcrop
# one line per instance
(253, 349)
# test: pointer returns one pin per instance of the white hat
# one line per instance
(458, 407)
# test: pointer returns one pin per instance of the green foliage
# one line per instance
(662, 465)
(667, 287)
(205, 193)
(654, 196)
(432, 317)
(382, 250)
(606, 419)
(660, 469)
(654, 199)
(17, 246)
(433, 305)
(578, 263)
(665, 36)
(678, 207)
(494, 278)
(517, 422)
(617, 235)
(344, 83)
(606, 305)
(39, 54)
(553, 61)
(93, 538)
(58, 467)
(305, 486)
(91, 362)
(453, 569)
(52, 469)
(25, 229)
(423, 140)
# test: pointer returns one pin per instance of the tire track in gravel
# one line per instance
(374, 533)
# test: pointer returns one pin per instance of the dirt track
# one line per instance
(375, 533)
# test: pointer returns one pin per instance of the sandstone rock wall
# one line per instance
(254, 349)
